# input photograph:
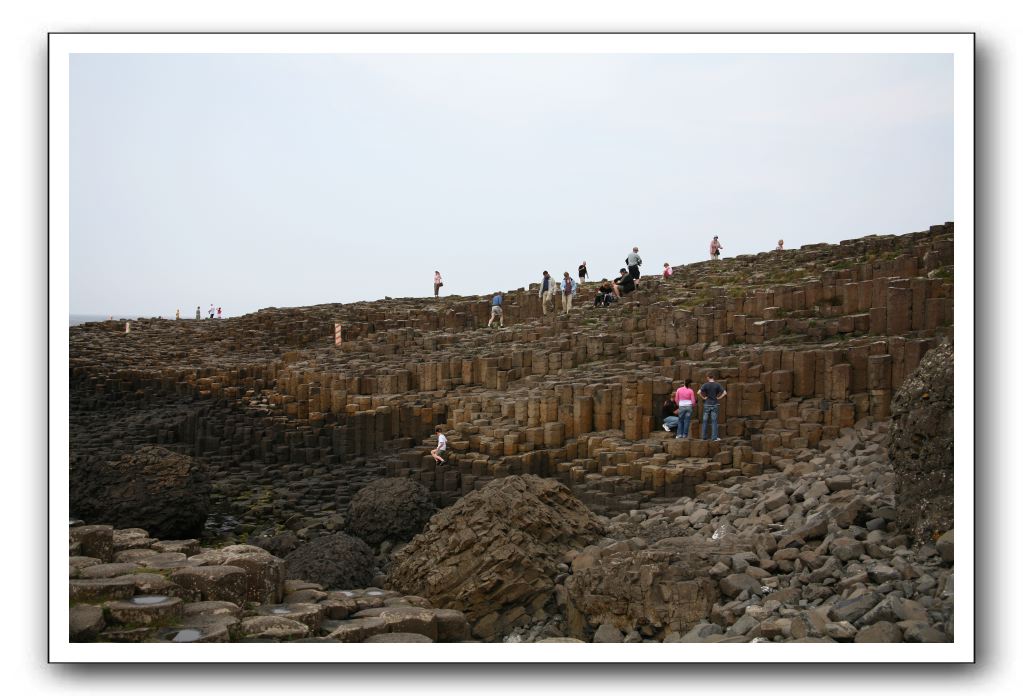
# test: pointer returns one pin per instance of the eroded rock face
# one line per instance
(494, 554)
(153, 488)
(392, 509)
(337, 562)
(921, 445)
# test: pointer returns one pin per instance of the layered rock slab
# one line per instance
(494, 554)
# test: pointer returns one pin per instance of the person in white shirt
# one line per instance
(442, 445)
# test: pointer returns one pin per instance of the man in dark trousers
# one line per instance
(710, 393)
(625, 283)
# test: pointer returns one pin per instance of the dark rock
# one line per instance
(336, 562)
(166, 493)
(394, 509)
(733, 585)
(920, 445)
(880, 632)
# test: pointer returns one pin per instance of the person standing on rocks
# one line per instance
(437, 283)
(546, 292)
(567, 289)
(177, 314)
(715, 248)
(686, 400)
(634, 262)
(781, 245)
(211, 311)
(496, 311)
(582, 273)
(198, 314)
(710, 393)
(442, 445)
(219, 315)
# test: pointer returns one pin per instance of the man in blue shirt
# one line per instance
(710, 393)
(496, 312)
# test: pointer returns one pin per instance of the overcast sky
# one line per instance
(250, 181)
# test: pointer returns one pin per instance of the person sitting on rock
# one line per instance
(607, 293)
(669, 414)
(442, 445)
(625, 283)
(667, 270)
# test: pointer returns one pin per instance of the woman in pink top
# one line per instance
(437, 282)
(685, 397)
(667, 270)
(715, 248)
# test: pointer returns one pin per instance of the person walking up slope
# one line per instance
(442, 445)
(567, 289)
(496, 311)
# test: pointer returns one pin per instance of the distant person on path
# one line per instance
(211, 311)
(437, 283)
(546, 292)
(198, 314)
(219, 316)
(496, 311)
(686, 400)
(606, 294)
(567, 288)
(715, 248)
(442, 445)
(634, 262)
(710, 393)
(781, 245)
(625, 283)
(177, 314)
(667, 270)
(583, 275)
(669, 414)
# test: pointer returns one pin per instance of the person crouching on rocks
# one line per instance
(442, 445)
(606, 294)
(669, 414)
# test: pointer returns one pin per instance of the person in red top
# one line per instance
(686, 400)
(667, 270)
(715, 248)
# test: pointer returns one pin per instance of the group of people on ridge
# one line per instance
(677, 409)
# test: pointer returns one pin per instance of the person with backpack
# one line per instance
(567, 288)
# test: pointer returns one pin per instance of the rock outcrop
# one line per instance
(338, 562)
(390, 509)
(494, 554)
(152, 488)
(921, 445)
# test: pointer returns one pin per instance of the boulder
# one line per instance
(494, 554)
(166, 493)
(920, 445)
(336, 562)
(394, 509)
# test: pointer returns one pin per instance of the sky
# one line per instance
(251, 180)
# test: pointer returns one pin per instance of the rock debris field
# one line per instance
(248, 479)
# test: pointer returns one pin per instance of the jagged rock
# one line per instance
(920, 445)
(880, 632)
(162, 491)
(391, 509)
(336, 562)
(946, 546)
(494, 553)
(264, 572)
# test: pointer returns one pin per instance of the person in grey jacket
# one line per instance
(634, 262)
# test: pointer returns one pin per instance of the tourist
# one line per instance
(710, 393)
(686, 400)
(669, 414)
(567, 289)
(177, 314)
(781, 245)
(219, 314)
(667, 270)
(634, 262)
(582, 273)
(198, 314)
(211, 311)
(437, 283)
(625, 283)
(442, 445)
(606, 294)
(496, 312)
(715, 248)
(546, 292)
